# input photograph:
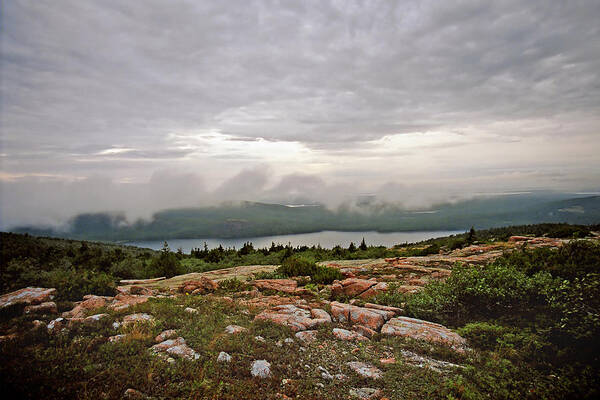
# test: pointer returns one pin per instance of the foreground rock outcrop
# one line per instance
(424, 330)
(199, 286)
(298, 319)
(371, 318)
(27, 296)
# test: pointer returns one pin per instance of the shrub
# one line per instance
(457, 244)
(73, 284)
(129, 268)
(574, 259)
(326, 275)
(481, 292)
(165, 264)
(483, 335)
(431, 249)
(295, 266)
(391, 297)
(232, 285)
(577, 302)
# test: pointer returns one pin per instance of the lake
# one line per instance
(327, 239)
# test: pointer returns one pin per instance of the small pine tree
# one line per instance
(471, 236)
(352, 247)
(165, 264)
(363, 245)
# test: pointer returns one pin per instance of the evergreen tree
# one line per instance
(471, 236)
(363, 245)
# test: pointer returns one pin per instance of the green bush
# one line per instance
(577, 302)
(165, 264)
(326, 275)
(574, 259)
(232, 285)
(481, 293)
(431, 249)
(484, 335)
(73, 284)
(294, 266)
(129, 268)
(457, 244)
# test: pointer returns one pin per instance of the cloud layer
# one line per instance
(256, 100)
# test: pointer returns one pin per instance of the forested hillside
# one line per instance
(258, 219)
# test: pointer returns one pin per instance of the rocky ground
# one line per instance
(200, 335)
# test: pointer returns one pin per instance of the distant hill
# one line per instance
(259, 219)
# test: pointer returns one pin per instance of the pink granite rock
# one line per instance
(424, 330)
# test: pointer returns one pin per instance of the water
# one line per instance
(327, 239)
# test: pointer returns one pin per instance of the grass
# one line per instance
(82, 364)
(530, 318)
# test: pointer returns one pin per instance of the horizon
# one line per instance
(146, 106)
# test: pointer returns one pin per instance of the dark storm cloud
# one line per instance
(128, 88)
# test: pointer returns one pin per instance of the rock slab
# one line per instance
(261, 369)
(424, 330)
(27, 296)
(298, 319)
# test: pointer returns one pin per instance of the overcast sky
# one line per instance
(140, 105)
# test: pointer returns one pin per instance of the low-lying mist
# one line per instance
(53, 202)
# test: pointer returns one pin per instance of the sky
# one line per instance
(141, 105)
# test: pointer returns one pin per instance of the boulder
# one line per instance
(365, 370)
(175, 347)
(279, 285)
(123, 301)
(94, 319)
(137, 318)
(395, 310)
(224, 357)
(116, 338)
(371, 318)
(426, 362)
(424, 330)
(57, 325)
(298, 319)
(140, 290)
(164, 335)
(351, 287)
(306, 336)
(366, 393)
(88, 304)
(233, 329)
(325, 374)
(261, 369)
(183, 351)
(347, 335)
(48, 307)
(320, 314)
(27, 296)
(200, 286)
(375, 290)
(164, 345)
(363, 330)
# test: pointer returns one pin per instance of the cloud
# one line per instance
(356, 94)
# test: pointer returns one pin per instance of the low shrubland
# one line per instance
(533, 313)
